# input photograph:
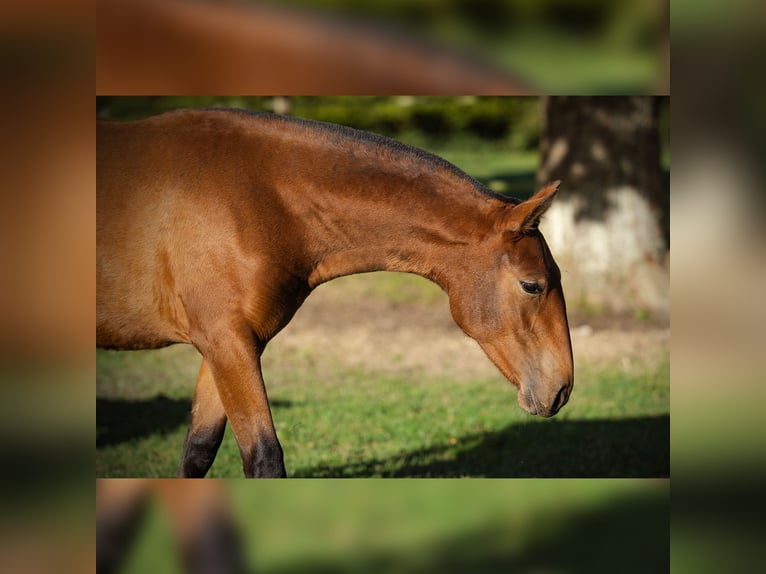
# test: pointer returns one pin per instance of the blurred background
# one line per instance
(373, 378)
(719, 333)
(559, 46)
(574, 526)
(47, 353)
(383, 47)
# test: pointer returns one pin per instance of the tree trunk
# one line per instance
(608, 229)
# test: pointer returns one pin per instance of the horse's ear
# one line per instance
(525, 216)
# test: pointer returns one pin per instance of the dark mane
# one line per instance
(392, 146)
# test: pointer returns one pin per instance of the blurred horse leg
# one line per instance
(120, 506)
(204, 529)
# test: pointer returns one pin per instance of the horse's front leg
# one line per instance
(235, 366)
(208, 422)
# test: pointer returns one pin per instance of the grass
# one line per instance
(358, 423)
(574, 526)
(393, 287)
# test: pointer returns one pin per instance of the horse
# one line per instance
(214, 226)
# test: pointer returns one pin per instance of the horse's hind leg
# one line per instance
(203, 526)
(120, 506)
(208, 422)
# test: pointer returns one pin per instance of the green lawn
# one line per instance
(363, 424)
(450, 527)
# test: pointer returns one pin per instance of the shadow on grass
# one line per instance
(121, 420)
(629, 534)
(635, 447)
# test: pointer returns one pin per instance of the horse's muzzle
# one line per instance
(534, 405)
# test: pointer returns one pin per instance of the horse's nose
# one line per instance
(561, 397)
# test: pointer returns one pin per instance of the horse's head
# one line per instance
(509, 299)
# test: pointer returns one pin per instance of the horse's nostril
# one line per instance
(561, 398)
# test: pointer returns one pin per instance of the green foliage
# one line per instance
(513, 122)
(441, 123)
(138, 107)
(491, 16)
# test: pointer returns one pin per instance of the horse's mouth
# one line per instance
(530, 404)
(527, 402)
(531, 409)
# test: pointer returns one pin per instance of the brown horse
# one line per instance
(214, 226)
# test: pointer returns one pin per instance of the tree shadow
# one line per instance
(635, 447)
(629, 534)
(122, 420)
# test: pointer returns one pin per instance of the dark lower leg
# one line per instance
(265, 461)
(214, 549)
(200, 447)
(236, 369)
(206, 429)
(204, 527)
(120, 508)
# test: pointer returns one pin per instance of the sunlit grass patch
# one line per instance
(362, 423)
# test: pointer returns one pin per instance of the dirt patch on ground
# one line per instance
(343, 328)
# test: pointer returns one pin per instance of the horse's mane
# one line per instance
(389, 145)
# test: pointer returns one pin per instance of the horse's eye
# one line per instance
(531, 287)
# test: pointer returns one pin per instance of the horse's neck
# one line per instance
(401, 222)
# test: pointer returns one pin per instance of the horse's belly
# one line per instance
(122, 340)
(137, 314)
(134, 329)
